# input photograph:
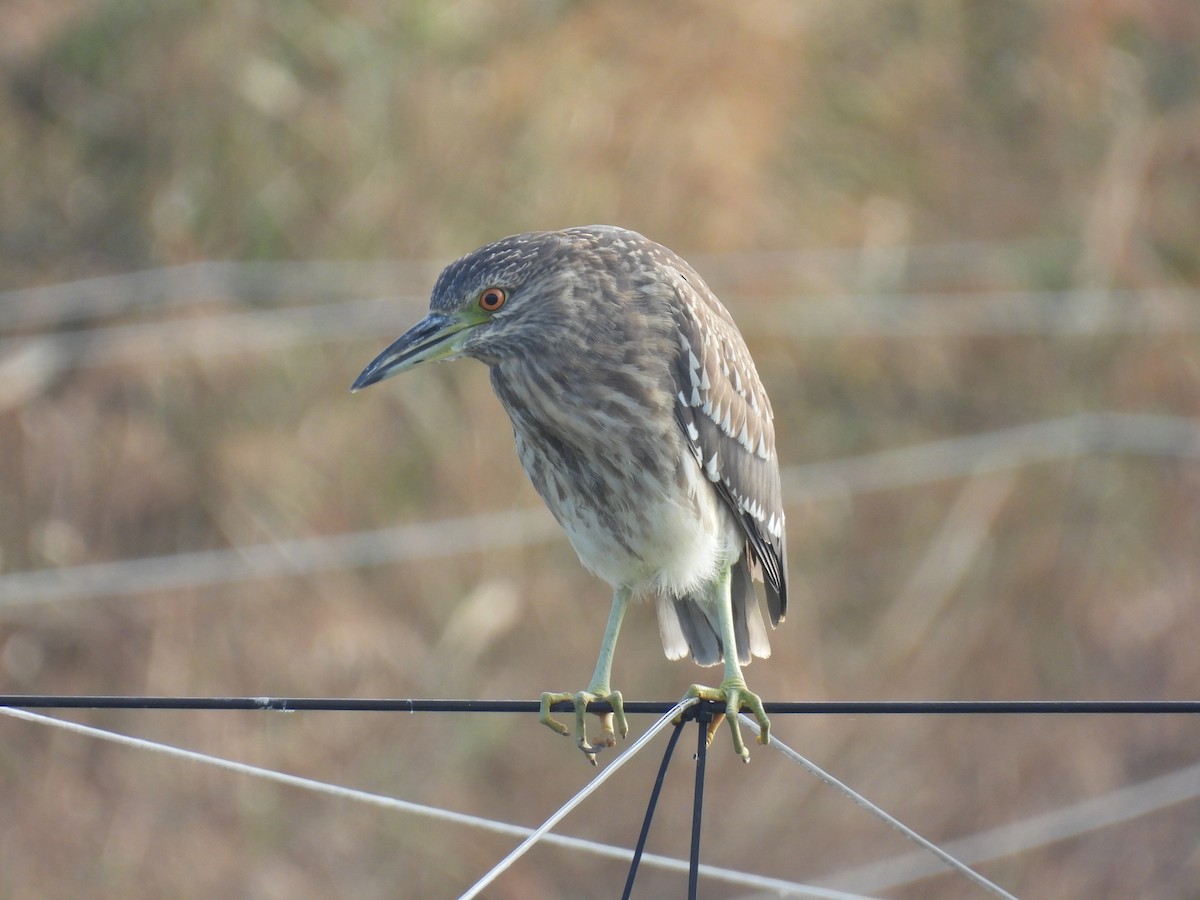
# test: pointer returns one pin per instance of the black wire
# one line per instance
(655, 707)
(703, 717)
(645, 832)
(701, 712)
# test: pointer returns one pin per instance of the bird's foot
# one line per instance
(608, 737)
(736, 697)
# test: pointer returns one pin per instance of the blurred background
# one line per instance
(962, 241)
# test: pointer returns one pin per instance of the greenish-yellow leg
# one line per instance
(598, 690)
(733, 691)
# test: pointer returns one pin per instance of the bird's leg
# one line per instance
(733, 691)
(598, 690)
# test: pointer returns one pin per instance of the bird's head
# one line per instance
(492, 303)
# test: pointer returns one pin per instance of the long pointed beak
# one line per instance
(435, 337)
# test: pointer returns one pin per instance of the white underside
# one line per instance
(672, 558)
(657, 550)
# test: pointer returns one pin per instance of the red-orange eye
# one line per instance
(492, 299)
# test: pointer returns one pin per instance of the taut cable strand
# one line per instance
(650, 806)
(703, 718)
(963, 869)
(650, 707)
(605, 773)
(742, 880)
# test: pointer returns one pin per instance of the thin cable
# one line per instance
(963, 869)
(1017, 446)
(1071, 313)
(1074, 311)
(582, 795)
(282, 558)
(1030, 833)
(191, 284)
(650, 707)
(198, 284)
(1069, 437)
(703, 717)
(1089, 815)
(650, 807)
(716, 873)
(243, 332)
(28, 362)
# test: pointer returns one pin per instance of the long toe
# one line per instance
(606, 739)
(736, 697)
(548, 699)
(611, 723)
(748, 700)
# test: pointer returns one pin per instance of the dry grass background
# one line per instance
(793, 151)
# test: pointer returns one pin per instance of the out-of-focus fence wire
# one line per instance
(1009, 448)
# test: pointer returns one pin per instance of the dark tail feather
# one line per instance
(697, 619)
(699, 630)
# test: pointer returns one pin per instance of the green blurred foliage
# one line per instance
(791, 151)
(153, 133)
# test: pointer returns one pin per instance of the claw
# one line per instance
(736, 696)
(713, 725)
(580, 700)
(548, 699)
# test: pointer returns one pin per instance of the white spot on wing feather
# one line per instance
(712, 469)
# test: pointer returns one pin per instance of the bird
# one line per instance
(640, 418)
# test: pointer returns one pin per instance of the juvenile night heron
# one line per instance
(640, 419)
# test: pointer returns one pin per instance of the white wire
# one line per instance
(1067, 437)
(198, 282)
(1076, 312)
(238, 332)
(1006, 448)
(715, 873)
(241, 331)
(1067, 822)
(1031, 833)
(588, 789)
(963, 869)
(295, 556)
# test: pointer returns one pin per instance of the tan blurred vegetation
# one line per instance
(794, 151)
